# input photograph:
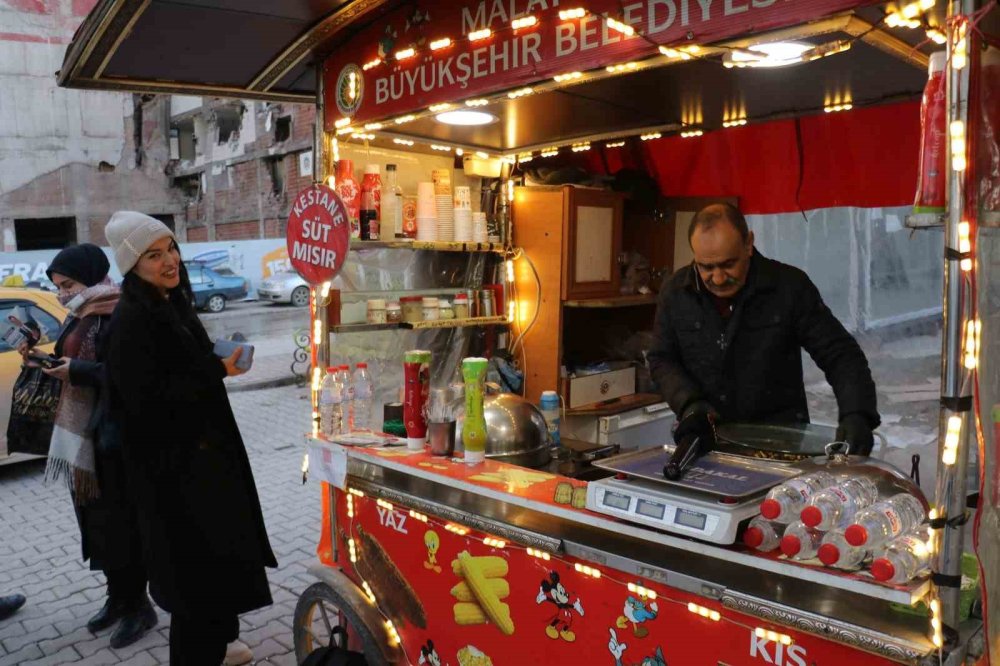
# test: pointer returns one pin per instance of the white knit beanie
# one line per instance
(130, 234)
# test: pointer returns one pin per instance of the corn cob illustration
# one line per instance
(491, 566)
(473, 570)
(387, 581)
(499, 586)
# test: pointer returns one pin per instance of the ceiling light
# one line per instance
(481, 155)
(404, 119)
(581, 147)
(477, 102)
(550, 152)
(403, 54)
(569, 14)
(525, 157)
(373, 127)
(773, 54)
(691, 133)
(403, 142)
(435, 146)
(614, 144)
(569, 76)
(342, 122)
(514, 94)
(478, 35)
(442, 43)
(437, 108)
(623, 28)
(650, 136)
(372, 63)
(464, 117)
(524, 22)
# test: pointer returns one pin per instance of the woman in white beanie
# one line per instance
(203, 532)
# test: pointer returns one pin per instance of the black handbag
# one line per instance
(32, 412)
(334, 654)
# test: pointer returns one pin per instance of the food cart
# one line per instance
(427, 559)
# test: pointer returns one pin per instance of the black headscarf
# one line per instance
(86, 263)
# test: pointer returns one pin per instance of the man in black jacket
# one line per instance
(729, 333)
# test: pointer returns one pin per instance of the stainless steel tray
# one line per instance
(719, 475)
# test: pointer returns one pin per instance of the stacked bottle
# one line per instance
(904, 558)
(885, 520)
(800, 542)
(762, 534)
(835, 506)
(785, 502)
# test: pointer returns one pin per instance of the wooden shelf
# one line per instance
(420, 325)
(434, 246)
(362, 328)
(455, 323)
(616, 406)
(613, 302)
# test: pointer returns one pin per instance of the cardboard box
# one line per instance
(588, 389)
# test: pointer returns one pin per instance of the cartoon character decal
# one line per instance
(618, 649)
(428, 655)
(387, 43)
(433, 543)
(636, 612)
(561, 623)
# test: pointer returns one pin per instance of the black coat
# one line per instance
(202, 528)
(109, 533)
(750, 367)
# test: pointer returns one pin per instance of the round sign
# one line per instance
(319, 234)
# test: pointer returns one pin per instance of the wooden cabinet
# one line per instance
(572, 237)
(592, 223)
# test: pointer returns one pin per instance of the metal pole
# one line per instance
(950, 491)
(321, 292)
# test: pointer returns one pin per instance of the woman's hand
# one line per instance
(61, 371)
(24, 349)
(230, 363)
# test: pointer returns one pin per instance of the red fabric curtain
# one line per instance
(865, 157)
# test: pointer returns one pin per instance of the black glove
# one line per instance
(694, 437)
(699, 407)
(856, 430)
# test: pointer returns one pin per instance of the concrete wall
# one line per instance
(70, 153)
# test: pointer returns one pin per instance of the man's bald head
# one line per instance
(713, 214)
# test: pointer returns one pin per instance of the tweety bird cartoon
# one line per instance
(433, 542)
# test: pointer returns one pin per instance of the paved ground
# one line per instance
(40, 552)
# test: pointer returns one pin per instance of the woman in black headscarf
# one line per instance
(86, 449)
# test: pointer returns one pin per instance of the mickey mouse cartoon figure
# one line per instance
(560, 625)
(428, 655)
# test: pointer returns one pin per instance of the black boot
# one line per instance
(114, 610)
(10, 604)
(134, 625)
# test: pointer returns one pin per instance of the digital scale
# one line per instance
(714, 497)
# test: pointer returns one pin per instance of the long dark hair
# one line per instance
(179, 301)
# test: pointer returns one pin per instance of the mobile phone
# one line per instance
(226, 348)
(48, 361)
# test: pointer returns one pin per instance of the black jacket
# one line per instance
(202, 529)
(750, 368)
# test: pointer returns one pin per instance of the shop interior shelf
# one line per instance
(455, 323)
(420, 325)
(613, 301)
(436, 246)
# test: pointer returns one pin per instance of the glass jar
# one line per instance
(461, 306)
(413, 309)
(444, 309)
(393, 313)
(431, 309)
(376, 311)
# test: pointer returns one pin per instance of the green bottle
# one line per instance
(474, 427)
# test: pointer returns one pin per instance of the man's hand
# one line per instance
(230, 363)
(698, 423)
(700, 407)
(856, 430)
(60, 371)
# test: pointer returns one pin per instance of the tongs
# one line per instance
(688, 450)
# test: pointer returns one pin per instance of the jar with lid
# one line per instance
(461, 306)
(376, 311)
(445, 310)
(413, 308)
(431, 309)
(393, 313)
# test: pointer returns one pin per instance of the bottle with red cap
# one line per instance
(835, 506)
(347, 398)
(761, 534)
(904, 558)
(362, 383)
(835, 551)
(800, 542)
(785, 502)
(331, 398)
(885, 520)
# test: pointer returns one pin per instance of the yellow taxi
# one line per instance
(44, 308)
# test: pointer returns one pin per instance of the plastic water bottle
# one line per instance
(800, 542)
(904, 558)
(785, 502)
(835, 506)
(330, 402)
(549, 406)
(362, 399)
(836, 552)
(885, 520)
(761, 534)
(347, 394)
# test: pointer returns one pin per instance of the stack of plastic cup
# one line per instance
(426, 212)
(463, 215)
(479, 231)
(445, 218)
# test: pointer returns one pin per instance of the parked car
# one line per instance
(212, 289)
(45, 309)
(287, 287)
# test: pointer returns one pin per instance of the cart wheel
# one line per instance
(318, 611)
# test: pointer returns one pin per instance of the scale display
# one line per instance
(691, 519)
(651, 509)
(617, 501)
